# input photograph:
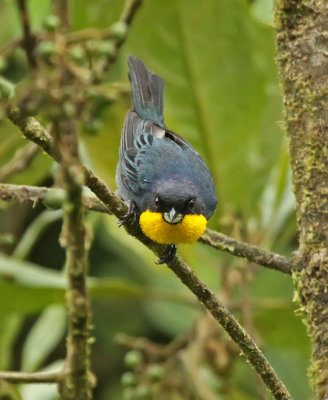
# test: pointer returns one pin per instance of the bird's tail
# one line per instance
(147, 91)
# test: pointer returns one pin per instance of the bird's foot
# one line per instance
(168, 257)
(131, 215)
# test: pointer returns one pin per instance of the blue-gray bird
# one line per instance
(161, 176)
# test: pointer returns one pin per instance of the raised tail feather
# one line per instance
(147, 91)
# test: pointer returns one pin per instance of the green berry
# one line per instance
(119, 30)
(7, 89)
(132, 359)
(128, 379)
(51, 23)
(69, 109)
(47, 48)
(78, 54)
(128, 394)
(92, 46)
(155, 372)
(54, 199)
(106, 48)
(142, 393)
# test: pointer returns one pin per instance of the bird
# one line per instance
(162, 178)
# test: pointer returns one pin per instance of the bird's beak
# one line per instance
(172, 217)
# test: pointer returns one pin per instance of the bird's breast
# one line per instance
(188, 230)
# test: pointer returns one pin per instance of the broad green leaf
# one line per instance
(9, 21)
(28, 274)
(263, 10)
(45, 334)
(38, 9)
(22, 300)
(28, 288)
(34, 231)
(101, 13)
(291, 368)
(12, 323)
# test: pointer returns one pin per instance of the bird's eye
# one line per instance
(191, 204)
(157, 201)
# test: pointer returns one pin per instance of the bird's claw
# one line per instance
(169, 256)
(131, 214)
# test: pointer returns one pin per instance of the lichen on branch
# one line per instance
(302, 49)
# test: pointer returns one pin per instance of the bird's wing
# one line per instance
(143, 123)
(179, 140)
(137, 138)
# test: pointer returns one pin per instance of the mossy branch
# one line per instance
(28, 39)
(32, 377)
(115, 205)
(54, 198)
(302, 49)
(21, 160)
(77, 383)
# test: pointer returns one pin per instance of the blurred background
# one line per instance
(152, 340)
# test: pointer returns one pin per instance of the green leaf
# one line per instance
(28, 288)
(34, 231)
(45, 334)
(291, 368)
(12, 323)
(263, 10)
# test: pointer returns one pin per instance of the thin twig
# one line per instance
(32, 377)
(154, 349)
(249, 348)
(130, 8)
(60, 8)
(245, 250)
(52, 198)
(29, 39)
(126, 18)
(21, 160)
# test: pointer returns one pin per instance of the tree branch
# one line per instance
(54, 198)
(248, 347)
(21, 160)
(252, 253)
(31, 129)
(183, 271)
(128, 13)
(60, 8)
(29, 40)
(302, 49)
(77, 384)
(32, 377)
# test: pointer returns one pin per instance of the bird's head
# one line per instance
(173, 213)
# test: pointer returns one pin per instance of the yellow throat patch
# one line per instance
(188, 230)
